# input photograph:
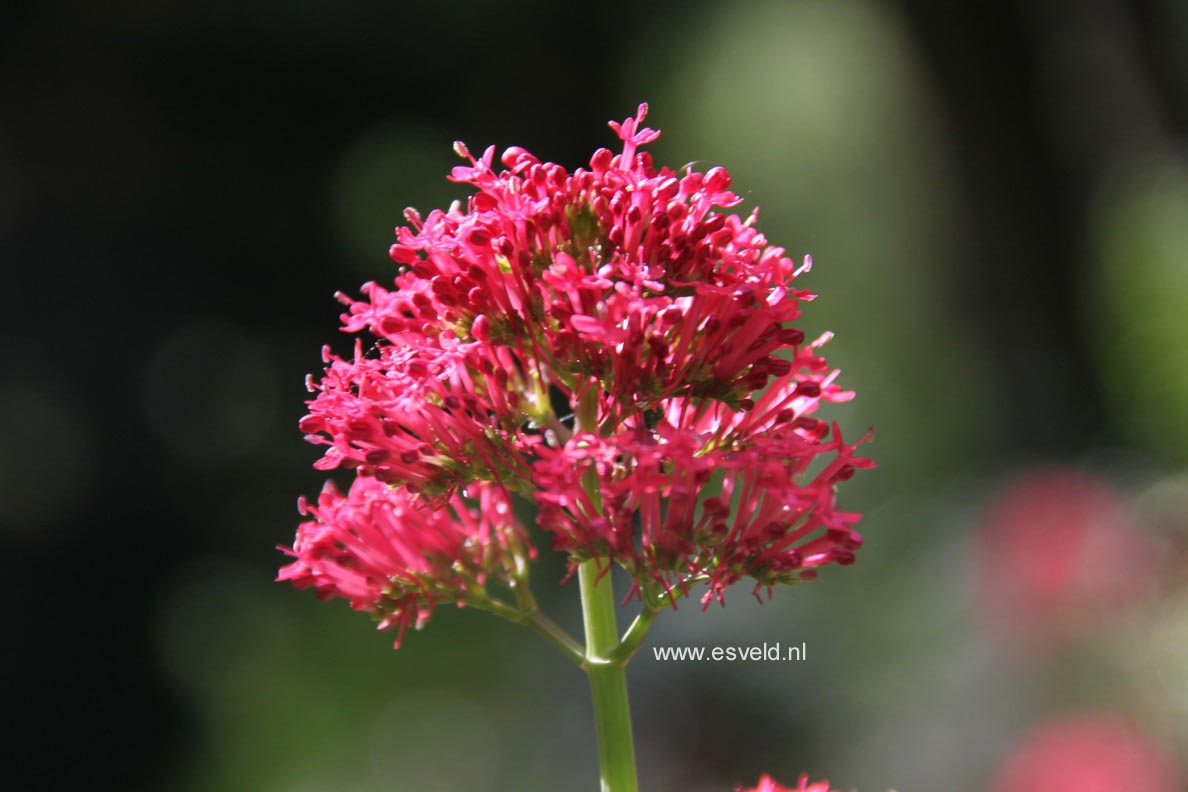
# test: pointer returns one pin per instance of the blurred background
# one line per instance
(996, 199)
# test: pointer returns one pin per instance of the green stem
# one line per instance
(608, 682)
(652, 604)
(536, 621)
(555, 635)
(608, 678)
(634, 637)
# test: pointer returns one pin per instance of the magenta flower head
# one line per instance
(613, 343)
(768, 784)
(391, 554)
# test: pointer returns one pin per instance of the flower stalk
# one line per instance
(536, 621)
(608, 677)
(608, 681)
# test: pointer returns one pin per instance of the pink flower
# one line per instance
(629, 288)
(768, 784)
(433, 417)
(718, 499)
(388, 553)
(623, 272)
(1057, 550)
(1097, 753)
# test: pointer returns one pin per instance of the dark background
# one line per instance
(183, 186)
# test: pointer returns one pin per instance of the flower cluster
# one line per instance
(613, 343)
(768, 784)
(702, 494)
(388, 553)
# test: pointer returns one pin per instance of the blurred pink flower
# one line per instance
(1096, 753)
(768, 784)
(1055, 550)
(387, 553)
